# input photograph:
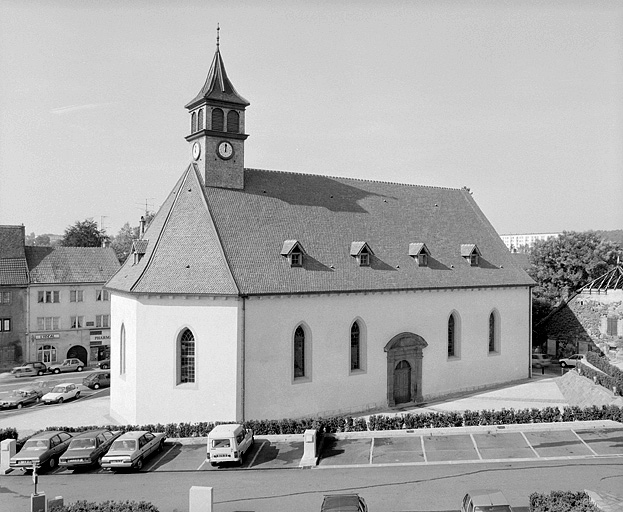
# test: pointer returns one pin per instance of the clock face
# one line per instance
(196, 150)
(225, 150)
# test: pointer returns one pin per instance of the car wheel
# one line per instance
(96, 386)
(57, 371)
(60, 400)
(139, 464)
(563, 364)
(78, 394)
(40, 373)
(213, 464)
(38, 399)
(52, 463)
(19, 406)
(104, 367)
(79, 369)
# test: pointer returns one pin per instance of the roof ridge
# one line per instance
(353, 179)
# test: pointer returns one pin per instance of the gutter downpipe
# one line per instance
(241, 330)
(530, 331)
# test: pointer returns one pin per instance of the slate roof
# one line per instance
(13, 271)
(13, 268)
(62, 265)
(210, 240)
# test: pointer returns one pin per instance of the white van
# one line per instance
(228, 443)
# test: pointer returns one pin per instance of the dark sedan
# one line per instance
(88, 448)
(41, 450)
(20, 397)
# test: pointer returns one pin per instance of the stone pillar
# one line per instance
(310, 457)
(7, 450)
(200, 499)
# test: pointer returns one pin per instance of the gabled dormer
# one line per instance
(362, 252)
(419, 252)
(294, 251)
(471, 253)
(138, 250)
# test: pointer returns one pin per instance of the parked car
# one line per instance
(571, 360)
(60, 393)
(68, 365)
(131, 449)
(228, 443)
(88, 448)
(485, 500)
(541, 360)
(343, 503)
(41, 450)
(20, 397)
(104, 364)
(97, 380)
(29, 369)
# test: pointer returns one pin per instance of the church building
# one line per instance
(258, 294)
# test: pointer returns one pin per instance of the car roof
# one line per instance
(227, 428)
(341, 502)
(63, 383)
(91, 433)
(48, 434)
(488, 497)
(133, 434)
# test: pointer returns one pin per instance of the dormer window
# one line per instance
(138, 250)
(293, 250)
(471, 253)
(420, 252)
(362, 252)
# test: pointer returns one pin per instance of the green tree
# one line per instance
(84, 234)
(122, 243)
(569, 262)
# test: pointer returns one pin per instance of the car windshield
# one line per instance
(493, 508)
(35, 444)
(18, 393)
(79, 444)
(124, 445)
(220, 443)
(58, 389)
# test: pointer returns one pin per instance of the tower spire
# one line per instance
(218, 29)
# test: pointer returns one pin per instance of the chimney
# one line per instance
(141, 229)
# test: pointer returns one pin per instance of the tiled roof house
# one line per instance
(275, 294)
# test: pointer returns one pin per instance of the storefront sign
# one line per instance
(47, 336)
(99, 337)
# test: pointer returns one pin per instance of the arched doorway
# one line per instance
(79, 352)
(404, 368)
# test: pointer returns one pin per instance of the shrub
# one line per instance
(562, 501)
(8, 433)
(106, 506)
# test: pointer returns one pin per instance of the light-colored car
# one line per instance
(29, 369)
(41, 450)
(68, 365)
(60, 393)
(485, 500)
(541, 360)
(343, 503)
(571, 361)
(21, 397)
(228, 442)
(88, 448)
(130, 450)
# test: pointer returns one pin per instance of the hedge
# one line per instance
(615, 373)
(562, 501)
(106, 506)
(337, 424)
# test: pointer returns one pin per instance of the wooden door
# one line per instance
(402, 382)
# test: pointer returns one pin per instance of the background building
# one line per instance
(522, 241)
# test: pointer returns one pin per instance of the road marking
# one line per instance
(475, 446)
(199, 468)
(164, 452)
(371, 450)
(528, 443)
(258, 452)
(423, 449)
(584, 443)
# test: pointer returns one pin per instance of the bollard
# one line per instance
(37, 502)
(7, 450)
(200, 499)
(310, 457)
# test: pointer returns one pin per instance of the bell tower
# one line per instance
(217, 128)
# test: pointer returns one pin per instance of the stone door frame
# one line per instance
(408, 347)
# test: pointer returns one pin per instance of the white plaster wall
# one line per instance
(270, 323)
(152, 362)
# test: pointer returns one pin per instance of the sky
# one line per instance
(521, 101)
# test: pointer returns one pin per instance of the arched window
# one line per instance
(493, 336)
(299, 352)
(451, 336)
(218, 120)
(186, 357)
(193, 122)
(233, 121)
(355, 347)
(122, 350)
(200, 120)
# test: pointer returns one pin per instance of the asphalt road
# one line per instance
(394, 488)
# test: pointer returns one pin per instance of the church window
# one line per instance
(193, 122)
(218, 120)
(186, 357)
(451, 336)
(299, 353)
(122, 350)
(200, 120)
(355, 347)
(611, 326)
(494, 332)
(233, 121)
